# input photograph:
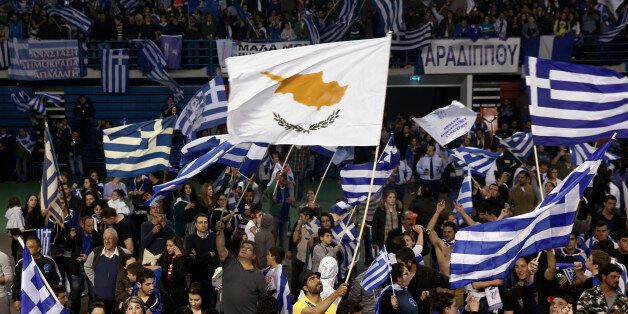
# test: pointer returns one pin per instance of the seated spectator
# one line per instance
(117, 202)
(487, 27)
(154, 234)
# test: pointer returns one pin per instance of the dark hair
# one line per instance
(101, 203)
(34, 238)
(85, 218)
(126, 257)
(14, 201)
(450, 224)
(250, 243)
(606, 246)
(278, 253)
(397, 244)
(201, 215)
(58, 289)
(348, 307)
(413, 235)
(565, 297)
(600, 223)
(622, 234)
(609, 268)
(120, 192)
(323, 231)
(267, 305)
(328, 215)
(134, 268)
(178, 242)
(196, 288)
(406, 255)
(95, 305)
(610, 197)
(397, 271)
(143, 274)
(108, 212)
(442, 301)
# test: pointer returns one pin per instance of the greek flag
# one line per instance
(610, 34)
(200, 146)
(36, 295)
(465, 197)
(346, 233)
(519, 144)
(378, 272)
(115, 70)
(488, 251)
(26, 142)
(71, 16)
(478, 160)
(44, 236)
(139, 148)
(356, 179)
(336, 31)
(337, 154)
(49, 195)
(152, 63)
(412, 40)
(581, 152)
(24, 102)
(312, 28)
(22, 6)
(129, 5)
(4, 54)
(207, 109)
(572, 103)
(282, 294)
(20, 99)
(390, 15)
(190, 170)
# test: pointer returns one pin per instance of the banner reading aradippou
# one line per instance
(39, 60)
(493, 55)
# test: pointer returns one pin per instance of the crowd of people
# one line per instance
(281, 20)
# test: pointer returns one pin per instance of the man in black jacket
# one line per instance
(81, 243)
(201, 246)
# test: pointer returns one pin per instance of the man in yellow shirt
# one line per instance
(312, 303)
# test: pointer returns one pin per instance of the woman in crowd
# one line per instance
(89, 185)
(117, 202)
(87, 205)
(207, 200)
(34, 219)
(401, 301)
(194, 301)
(15, 223)
(311, 203)
(173, 262)
(185, 210)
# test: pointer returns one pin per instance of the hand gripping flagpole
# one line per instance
(323, 177)
(366, 210)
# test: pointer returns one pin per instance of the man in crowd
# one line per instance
(605, 298)
(312, 302)
(201, 246)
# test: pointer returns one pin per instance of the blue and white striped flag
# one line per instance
(581, 152)
(26, 142)
(356, 179)
(206, 109)
(378, 272)
(478, 160)
(115, 70)
(488, 251)
(24, 102)
(152, 63)
(36, 296)
(336, 31)
(412, 40)
(200, 146)
(4, 54)
(346, 233)
(519, 144)
(44, 236)
(611, 33)
(50, 194)
(253, 158)
(190, 170)
(310, 23)
(20, 99)
(139, 148)
(129, 5)
(465, 197)
(337, 154)
(22, 6)
(282, 294)
(573, 103)
(390, 15)
(71, 16)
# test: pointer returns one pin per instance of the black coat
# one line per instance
(379, 224)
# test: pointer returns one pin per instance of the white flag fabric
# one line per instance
(330, 94)
(448, 123)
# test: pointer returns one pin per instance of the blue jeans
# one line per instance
(77, 286)
(76, 167)
(21, 169)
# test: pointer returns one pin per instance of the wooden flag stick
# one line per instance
(248, 182)
(366, 210)
(285, 162)
(538, 173)
(323, 177)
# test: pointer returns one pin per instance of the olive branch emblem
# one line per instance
(313, 127)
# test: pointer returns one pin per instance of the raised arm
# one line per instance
(220, 241)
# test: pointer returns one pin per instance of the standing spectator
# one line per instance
(386, 218)
(208, 27)
(312, 302)
(81, 243)
(75, 156)
(125, 229)
(609, 216)
(304, 230)
(530, 29)
(401, 301)
(243, 283)
(22, 155)
(430, 168)
(83, 115)
(284, 198)
(605, 298)
(170, 108)
(521, 197)
(185, 210)
(298, 161)
(6, 277)
(16, 27)
(154, 233)
(102, 266)
(501, 26)
(203, 255)
(156, 301)
(15, 223)
(264, 238)
(195, 302)
(561, 25)
(127, 277)
(46, 265)
(324, 248)
(174, 266)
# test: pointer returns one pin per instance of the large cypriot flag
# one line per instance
(329, 94)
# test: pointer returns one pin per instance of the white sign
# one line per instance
(228, 48)
(449, 123)
(493, 55)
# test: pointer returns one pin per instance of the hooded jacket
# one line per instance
(264, 239)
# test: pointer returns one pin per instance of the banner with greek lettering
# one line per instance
(448, 123)
(493, 55)
(39, 60)
(228, 48)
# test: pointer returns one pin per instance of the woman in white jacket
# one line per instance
(117, 202)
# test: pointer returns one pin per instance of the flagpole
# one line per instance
(54, 160)
(323, 177)
(538, 173)
(248, 182)
(366, 210)
(285, 162)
